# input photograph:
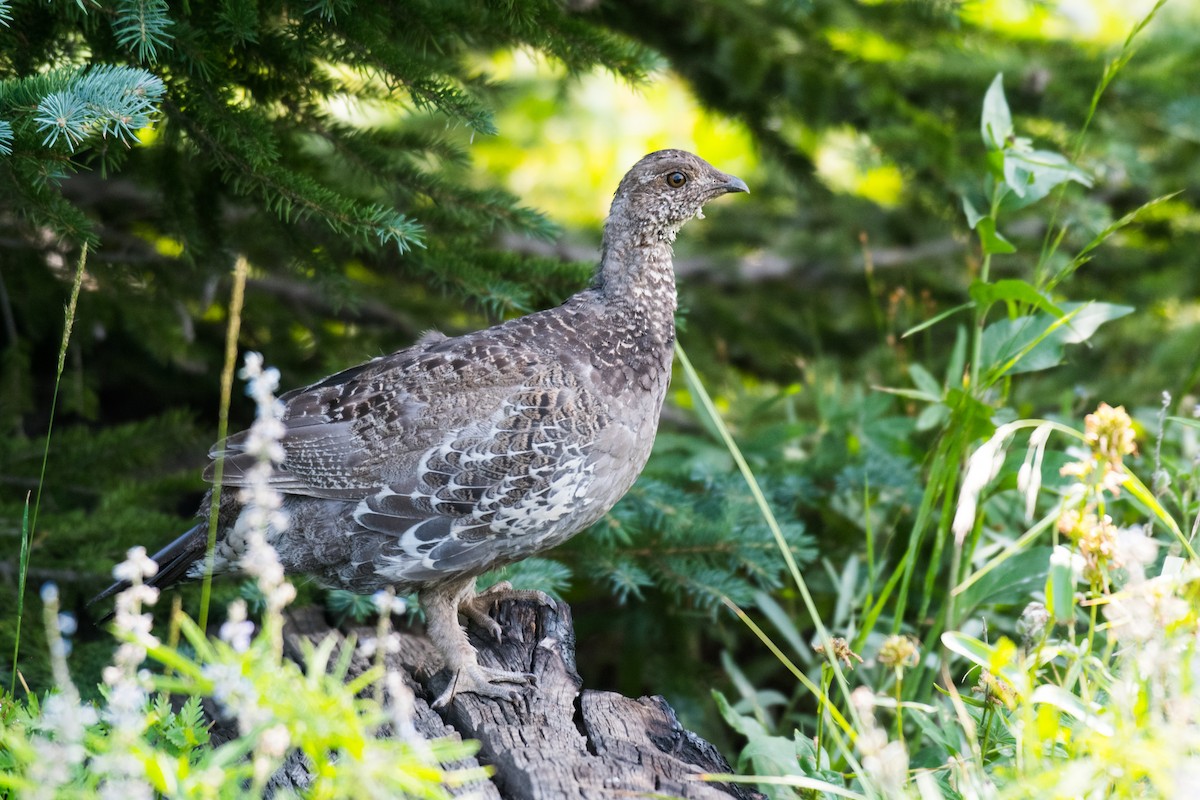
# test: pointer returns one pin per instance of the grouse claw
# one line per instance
(486, 682)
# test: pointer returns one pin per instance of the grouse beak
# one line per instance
(733, 184)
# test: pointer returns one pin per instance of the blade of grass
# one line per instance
(804, 680)
(1051, 241)
(710, 410)
(1008, 552)
(935, 320)
(236, 300)
(27, 531)
(794, 781)
(1143, 495)
(24, 571)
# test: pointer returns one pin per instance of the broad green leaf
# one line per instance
(1064, 701)
(958, 358)
(1086, 318)
(1012, 582)
(991, 239)
(1035, 342)
(1033, 174)
(932, 417)
(764, 754)
(996, 123)
(972, 649)
(1011, 291)
(997, 658)
(1060, 587)
(972, 417)
(923, 380)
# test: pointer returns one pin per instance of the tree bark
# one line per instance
(557, 741)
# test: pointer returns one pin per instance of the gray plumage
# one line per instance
(422, 469)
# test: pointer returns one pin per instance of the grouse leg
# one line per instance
(442, 605)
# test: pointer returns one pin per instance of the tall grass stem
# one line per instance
(710, 410)
(236, 300)
(29, 526)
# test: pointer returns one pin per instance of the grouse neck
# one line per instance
(637, 272)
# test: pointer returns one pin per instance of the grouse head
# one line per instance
(664, 190)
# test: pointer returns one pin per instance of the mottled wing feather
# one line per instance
(352, 432)
(499, 487)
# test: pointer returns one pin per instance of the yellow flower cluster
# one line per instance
(899, 651)
(1095, 537)
(1110, 433)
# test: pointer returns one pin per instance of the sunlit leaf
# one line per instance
(996, 124)
(1032, 175)
(1064, 701)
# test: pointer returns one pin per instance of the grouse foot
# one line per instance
(442, 606)
(478, 607)
(486, 682)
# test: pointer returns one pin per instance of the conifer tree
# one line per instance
(329, 142)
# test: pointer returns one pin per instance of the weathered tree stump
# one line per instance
(558, 740)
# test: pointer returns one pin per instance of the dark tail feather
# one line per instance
(173, 561)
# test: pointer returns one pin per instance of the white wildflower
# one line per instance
(274, 741)
(262, 519)
(121, 775)
(49, 594)
(368, 646)
(236, 630)
(401, 708)
(889, 768)
(885, 762)
(236, 695)
(1142, 611)
(136, 567)
(1029, 478)
(1062, 556)
(126, 789)
(983, 466)
(58, 742)
(387, 603)
(1135, 551)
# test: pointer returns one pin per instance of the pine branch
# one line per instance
(142, 26)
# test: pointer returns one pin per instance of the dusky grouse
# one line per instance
(422, 469)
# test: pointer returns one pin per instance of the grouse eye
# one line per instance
(676, 179)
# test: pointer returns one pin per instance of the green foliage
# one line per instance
(702, 544)
(137, 740)
(1045, 586)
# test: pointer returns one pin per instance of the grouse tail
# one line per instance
(173, 561)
